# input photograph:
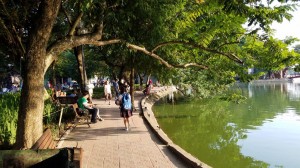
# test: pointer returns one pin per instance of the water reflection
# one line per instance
(268, 138)
(292, 90)
(262, 132)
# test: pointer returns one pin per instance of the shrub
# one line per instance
(98, 92)
(9, 115)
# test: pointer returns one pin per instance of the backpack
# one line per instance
(117, 101)
(126, 101)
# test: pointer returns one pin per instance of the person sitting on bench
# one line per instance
(84, 104)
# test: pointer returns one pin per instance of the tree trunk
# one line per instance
(121, 73)
(81, 69)
(132, 85)
(30, 117)
(53, 74)
(141, 81)
(148, 79)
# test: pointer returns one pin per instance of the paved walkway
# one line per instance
(107, 145)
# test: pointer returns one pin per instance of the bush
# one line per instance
(98, 92)
(9, 116)
(51, 112)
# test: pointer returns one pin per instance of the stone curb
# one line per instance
(146, 107)
(64, 136)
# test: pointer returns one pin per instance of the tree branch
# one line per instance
(99, 30)
(75, 24)
(67, 16)
(73, 41)
(13, 35)
(145, 51)
(234, 42)
(228, 55)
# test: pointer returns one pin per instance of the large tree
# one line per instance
(181, 34)
(42, 48)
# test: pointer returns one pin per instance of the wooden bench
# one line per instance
(67, 99)
(81, 114)
(43, 154)
(46, 141)
(42, 158)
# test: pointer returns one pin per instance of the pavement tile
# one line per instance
(107, 145)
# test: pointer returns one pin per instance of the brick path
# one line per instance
(107, 145)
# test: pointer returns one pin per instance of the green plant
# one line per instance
(9, 116)
(98, 92)
(51, 112)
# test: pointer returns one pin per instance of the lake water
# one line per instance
(263, 131)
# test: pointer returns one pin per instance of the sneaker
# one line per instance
(101, 119)
(126, 129)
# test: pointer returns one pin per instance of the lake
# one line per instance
(263, 131)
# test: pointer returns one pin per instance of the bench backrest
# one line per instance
(67, 99)
(81, 114)
(76, 109)
(46, 141)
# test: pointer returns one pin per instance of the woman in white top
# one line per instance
(107, 91)
(90, 88)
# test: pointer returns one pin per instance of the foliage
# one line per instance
(233, 97)
(66, 66)
(9, 115)
(8, 120)
(101, 61)
(297, 48)
(98, 92)
(205, 29)
(297, 68)
(51, 112)
(271, 54)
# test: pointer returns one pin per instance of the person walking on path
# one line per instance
(147, 90)
(90, 87)
(107, 91)
(116, 87)
(125, 107)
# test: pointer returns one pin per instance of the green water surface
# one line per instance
(264, 131)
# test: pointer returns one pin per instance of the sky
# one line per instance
(288, 28)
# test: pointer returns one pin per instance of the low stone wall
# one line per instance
(283, 80)
(146, 106)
